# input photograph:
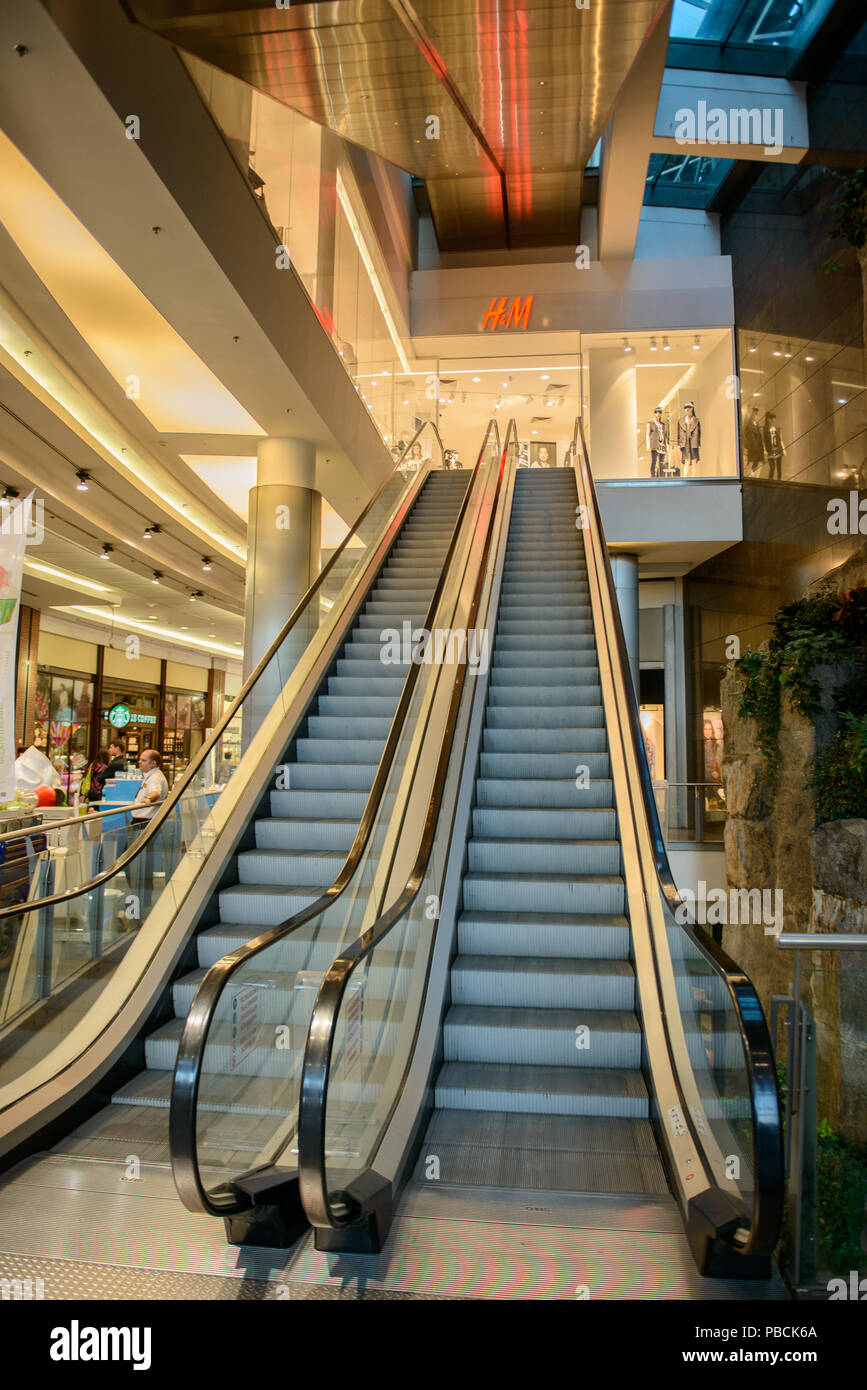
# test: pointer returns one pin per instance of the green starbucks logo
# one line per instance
(119, 716)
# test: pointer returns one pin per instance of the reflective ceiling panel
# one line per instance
(520, 89)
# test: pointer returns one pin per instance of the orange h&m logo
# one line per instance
(518, 313)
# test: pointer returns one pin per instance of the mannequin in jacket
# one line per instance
(774, 446)
(689, 436)
(657, 442)
(754, 444)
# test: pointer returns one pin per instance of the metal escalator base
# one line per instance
(453, 1241)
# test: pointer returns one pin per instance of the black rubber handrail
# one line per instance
(768, 1179)
(194, 1038)
(313, 1100)
(198, 761)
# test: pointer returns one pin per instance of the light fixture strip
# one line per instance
(371, 271)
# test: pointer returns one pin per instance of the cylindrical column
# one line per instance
(624, 568)
(283, 535)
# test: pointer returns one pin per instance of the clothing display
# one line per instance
(657, 444)
(754, 444)
(689, 437)
(774, 447)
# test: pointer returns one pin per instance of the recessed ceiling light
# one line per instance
(475, 378)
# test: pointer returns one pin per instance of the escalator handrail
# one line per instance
(313, 1099)
(200, 758)
(194, 1038)
(768, 1189)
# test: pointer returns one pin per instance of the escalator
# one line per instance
(295, 852)
(542, 1028)
(577, 1047)
(102, 975)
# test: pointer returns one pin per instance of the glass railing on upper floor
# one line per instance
(110, 891)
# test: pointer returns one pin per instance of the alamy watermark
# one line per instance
(740, 125)
(732, 907)
(441, 647)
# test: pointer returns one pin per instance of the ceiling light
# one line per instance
(477, 378)
(696, 344)
(505, 383)
(197, 593)
(549, 404)
(809, 357)
(75, 579)
(788, 351)
(544, 376)
(666, 345)
(206, 562)
(106, 551)
(152, 529)
(778, 350)
(83, 479)
(626, 345)
(158, 574)
(653, 345)
(752, 347)
(170, 633)
(534, 431)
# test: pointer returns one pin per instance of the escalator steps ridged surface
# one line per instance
(541, 1083)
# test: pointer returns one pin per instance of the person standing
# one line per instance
(154, 787)
(774, 447)
(90, 788)
(153, 790)
(689, 437)
(657, 442)
(117, 758)
(754, 444)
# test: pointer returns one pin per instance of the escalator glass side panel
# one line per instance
(98, 906)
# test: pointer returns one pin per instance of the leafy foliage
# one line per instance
(841, 1183)
(851, 214)
(840, 773)
(814, 631)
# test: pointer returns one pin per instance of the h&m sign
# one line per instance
(502, 314)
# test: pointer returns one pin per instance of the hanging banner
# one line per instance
(14, 523)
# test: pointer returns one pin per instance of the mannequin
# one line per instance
(774, 446)
(689, 437)
(657, 442)
(754, 444)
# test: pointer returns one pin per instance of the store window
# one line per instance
(183, 730)
(662, 405)
(135, 718)
(64, 712)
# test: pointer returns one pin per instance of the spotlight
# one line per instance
(206, 562)
(197, 593)
(83, 480)
(627, 347)
(10, 495)
(778, 350)
(653, 345)
(158, 574)
(696, 344)
(752, 347)
(106, 551)
(152, 529)
(477, 378)
(666, 345)
(788, 351)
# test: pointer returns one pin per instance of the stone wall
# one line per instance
(771, 842)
